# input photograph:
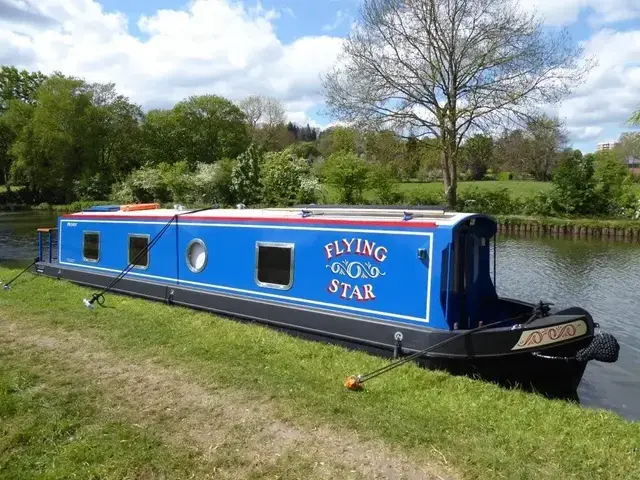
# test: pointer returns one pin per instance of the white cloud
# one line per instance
(564, 12)
(211, 46)
(611, 92)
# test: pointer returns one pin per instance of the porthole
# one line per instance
(196, 255)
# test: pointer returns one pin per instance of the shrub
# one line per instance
(245, 176)
(613, 186)
(347, 173)
(281, 177)
(496, 202)
(90, 187)
(504, 176)
(382, 181)
(574, 186)
(418, 197)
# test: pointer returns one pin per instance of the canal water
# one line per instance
(601, 276)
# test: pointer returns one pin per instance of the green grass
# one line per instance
(481, 430)
(51, 426)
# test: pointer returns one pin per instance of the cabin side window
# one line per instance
(91, 246)
(138, 250)
(274, 265)
(196, 255)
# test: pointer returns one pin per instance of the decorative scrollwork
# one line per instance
(356, 270)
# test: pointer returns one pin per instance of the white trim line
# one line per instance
(251, 292)
(279, 227)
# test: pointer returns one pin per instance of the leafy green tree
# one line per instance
(212, 128)
(478, 155)
(53, 138)
(18, 85)
(163, 138)
(347, 173)
(15, 85)
(343, 140)
(385, 147)
(382, 180)
(245, 176)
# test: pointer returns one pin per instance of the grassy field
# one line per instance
(519, 189)
(144, 390)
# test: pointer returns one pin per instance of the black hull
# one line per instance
(486, 354)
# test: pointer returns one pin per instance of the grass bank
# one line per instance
(273, 395)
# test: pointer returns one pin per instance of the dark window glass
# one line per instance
(274, 265)
(91, 246)
(136, 246)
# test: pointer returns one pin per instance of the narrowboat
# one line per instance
(392, 281)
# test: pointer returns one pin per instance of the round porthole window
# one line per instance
(196, 255)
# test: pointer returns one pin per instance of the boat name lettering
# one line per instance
(356, 246)
(72, 224)
(355, 269)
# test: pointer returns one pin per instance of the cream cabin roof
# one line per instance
(357, 214)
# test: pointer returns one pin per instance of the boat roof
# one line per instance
(407, 216)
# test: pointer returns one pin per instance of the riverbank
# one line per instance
(189, 392)
(613, 229)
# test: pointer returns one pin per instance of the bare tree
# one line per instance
(446, 68)
(253, 108)
(266, 118)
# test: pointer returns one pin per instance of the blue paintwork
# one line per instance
(402, 292)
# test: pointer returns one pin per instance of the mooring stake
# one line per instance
(7, 285)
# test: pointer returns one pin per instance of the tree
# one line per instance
(212, 128)
(534, 150)
(53, 137)
(19, 85)
(547, 139)
(266, 118)
(164, 139)
(347, 173)
(478, 155)
(442, 68)
(628, 147)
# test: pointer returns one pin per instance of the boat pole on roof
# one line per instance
(8, 284)
(99, 297)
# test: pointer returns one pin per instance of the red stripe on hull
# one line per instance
(305, 221)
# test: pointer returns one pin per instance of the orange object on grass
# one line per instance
(353, 383)
(139, 206)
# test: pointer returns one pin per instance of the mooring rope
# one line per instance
(99, 297)
(354, 382)
(6, 285)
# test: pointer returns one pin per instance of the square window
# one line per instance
(274, 266)
(138, 251)
(91, 246)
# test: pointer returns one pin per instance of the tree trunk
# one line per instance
(449, 172)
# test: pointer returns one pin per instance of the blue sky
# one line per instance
(158, 52)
